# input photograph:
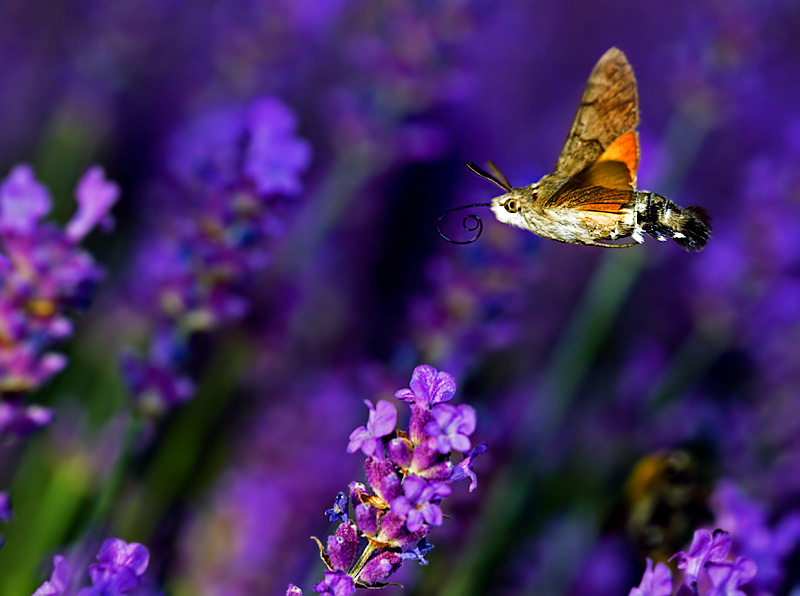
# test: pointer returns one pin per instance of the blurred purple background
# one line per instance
(281, 167)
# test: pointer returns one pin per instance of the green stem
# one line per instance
(186, 448)
(104, 501)
(362, 560)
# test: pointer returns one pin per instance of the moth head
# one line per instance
(507, 209)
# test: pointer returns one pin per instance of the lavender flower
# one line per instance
(420, 503)
(727, 578)
(343, 546)
(655, 582)
(382, 421)
(380, 567)
(451, 427)
(336, 583)
(45, 277)
(767, 544)
(242, 146)
(708, 551)
(59, 581)
(406, 503)
(339, 509)
(119, 571)
(418, 552)
(706, 548)
(428, 387)
(232, 168)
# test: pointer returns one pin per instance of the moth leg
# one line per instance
(613, 245)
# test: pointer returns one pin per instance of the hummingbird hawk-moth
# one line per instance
(591, 197)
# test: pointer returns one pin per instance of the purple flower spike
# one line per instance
(420, 503)
(451, 427)
(23, 201)
(726, 578)
(706, 548)
(95, 195)
(293, 590)
(382, 421)
(408, 474)
(380, 567)
(336, 583)
(655, 582)
(428, 387)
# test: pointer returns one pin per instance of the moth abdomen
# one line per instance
(689, 227)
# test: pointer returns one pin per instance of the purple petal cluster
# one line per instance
(727, 578)
(409, 474)
(655, 582)
(336, 583)
(708, 551)
(119, 571)
(766, 543)
(381, 422)
(706, 548)
(44, 278)
(231, 170)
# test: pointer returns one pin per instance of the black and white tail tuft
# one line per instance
(689, 227)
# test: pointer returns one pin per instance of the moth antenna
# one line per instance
(499, 175)
(471, 223)
(501, 181)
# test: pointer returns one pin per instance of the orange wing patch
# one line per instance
(626, 150)
(598, 198)
(605, 207)
(608, 174)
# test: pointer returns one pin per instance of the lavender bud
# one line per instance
(380, 567)
(343, 546)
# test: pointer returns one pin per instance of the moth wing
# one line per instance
(597, 198)
(625, 151)
(615, 170)
(609, 110)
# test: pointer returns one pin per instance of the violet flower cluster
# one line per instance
(44, 278)
(119, 571)
(768, 542)
(409, 474)
(232, 169)
(709, 551)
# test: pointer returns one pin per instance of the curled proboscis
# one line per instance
(471, 223)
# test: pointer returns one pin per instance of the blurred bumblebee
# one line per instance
(666, 497)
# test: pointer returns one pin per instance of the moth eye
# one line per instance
(511, 206)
